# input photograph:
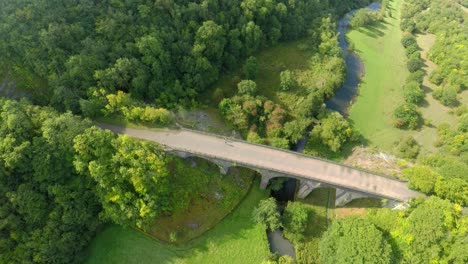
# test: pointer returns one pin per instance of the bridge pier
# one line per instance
(267, 176)
(306, 187)
(343, 197)
(223, 165)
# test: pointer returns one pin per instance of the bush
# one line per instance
(250, 68)
(409, 40)
(354, 240)
(247, 87)
(295, 219)
(362, 17)
(436, 77)
(463, 124)
(407, 116)
(446, 96)
(414, 64)
(413, 93)
(407, 25)
(413, 49)
(408, 148)
(421, 178)
(417, 76)
(218, 95)
(267, 214)
(287, 80)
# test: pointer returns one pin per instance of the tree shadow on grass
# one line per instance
(121, 245)
(374, 30)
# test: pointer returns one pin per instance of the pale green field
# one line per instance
(234, 240)
(385, 73)
(381, 88)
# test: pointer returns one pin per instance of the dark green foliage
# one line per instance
(166, 52)
(267, 214)
(408, 40)
(407, 116)
(277, 183)
(408, 148)
(250, 68)
(363, 17)
(414, 64)
(295, 219)
(48, 212)
(354, 240)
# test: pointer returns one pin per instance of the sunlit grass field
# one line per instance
(234, 240)
(380, 90)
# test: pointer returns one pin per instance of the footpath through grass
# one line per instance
(237, 239)
(385, 72)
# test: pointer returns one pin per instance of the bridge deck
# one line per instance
(252, 155)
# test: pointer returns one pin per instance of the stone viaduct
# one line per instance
(269, 162)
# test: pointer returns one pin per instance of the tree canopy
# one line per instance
(354, 240)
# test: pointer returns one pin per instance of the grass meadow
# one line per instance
(236, 239)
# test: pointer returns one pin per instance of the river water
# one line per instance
(340, 102)
(355, 68)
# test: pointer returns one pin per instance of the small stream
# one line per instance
(340, 102)
(355, 68)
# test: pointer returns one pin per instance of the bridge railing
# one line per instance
(292, 152)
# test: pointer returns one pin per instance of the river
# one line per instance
(340, 102)
(344, 96)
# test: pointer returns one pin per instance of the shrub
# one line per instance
(446, 96)
(417, 76)
(463, 124)
(408, 148)
(406, 116)
(436, 77)
(409, 40)
(295, 219)
(414, 64)
(250, 68)
(362, 17)
(218, 95)
(407, 25)
(421, 178)
(247, 87)
(413, 93)
(267, 214)
(410, 50)
(287, 80)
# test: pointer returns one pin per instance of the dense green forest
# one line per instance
(164, 52)
(61, 178)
